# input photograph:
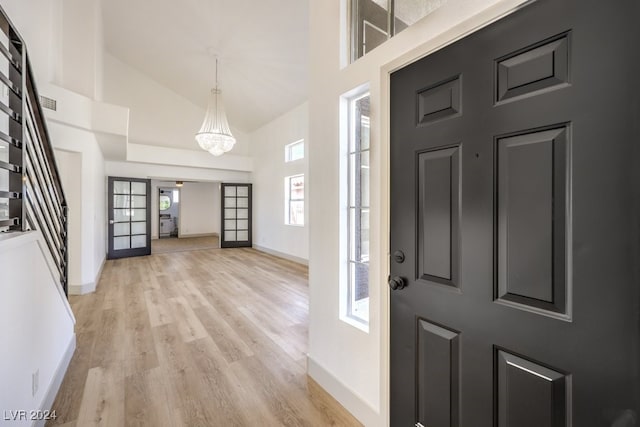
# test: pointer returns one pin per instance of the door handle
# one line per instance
(396, 283)
(111, 222)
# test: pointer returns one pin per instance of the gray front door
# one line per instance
(515, 159)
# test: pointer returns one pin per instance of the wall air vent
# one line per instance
(48, 103)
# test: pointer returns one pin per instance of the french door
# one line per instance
(129, 217)
(236, 215)
(514, 223)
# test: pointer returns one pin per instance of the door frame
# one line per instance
(125, 253)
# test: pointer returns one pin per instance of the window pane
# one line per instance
(139, 227)
(229, 202)
(364, 179)
(243, 224)
(122, 229)
(121, 243)
(243, 236)
(364, 236)
(139, 188)
(230, 191)
(121, 187)
(243, 191)
(408, 12)
(243, 213)
(230, 236)
(243, 202)
(122, 215)
(370, 20)
(361, 281)
(230, 224)
(296, 213)
(138, 214)
(229, 213)
(297, 187)
(138, 241)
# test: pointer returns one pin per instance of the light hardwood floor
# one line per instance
(199, 338)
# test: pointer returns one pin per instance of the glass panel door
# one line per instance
(236, 216)
(129, 217)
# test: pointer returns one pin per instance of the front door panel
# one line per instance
(514, 197)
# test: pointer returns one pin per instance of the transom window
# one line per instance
(375, 21)
(294, 151)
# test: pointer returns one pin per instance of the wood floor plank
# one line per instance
(209, 337)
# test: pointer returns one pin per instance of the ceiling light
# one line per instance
(179, 183)
(214, 135)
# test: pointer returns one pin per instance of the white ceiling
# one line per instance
(262, 47)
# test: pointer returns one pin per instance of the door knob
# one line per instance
(397, 283)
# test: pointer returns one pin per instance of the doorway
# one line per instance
(168, 212)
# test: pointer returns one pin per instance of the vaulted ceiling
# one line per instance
(262, 46)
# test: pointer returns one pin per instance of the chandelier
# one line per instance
(214, 135)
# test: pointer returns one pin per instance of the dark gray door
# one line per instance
(514, 202)
(236, 215)
(129, 217)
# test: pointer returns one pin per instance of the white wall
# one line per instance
(82, 47)
(36, 326)
(357, 375)
(269, 170)
(38, 21)
(199, 208)
(89, 192)
(200, 211)
(158, 115)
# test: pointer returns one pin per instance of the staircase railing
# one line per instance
(31, 194)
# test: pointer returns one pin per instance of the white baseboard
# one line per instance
(183, 236)
(352, 402)
(281, 255)
(56, 381)
(87, 288)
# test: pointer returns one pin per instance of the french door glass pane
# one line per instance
(139, 227)
(121, 243)
(122, 201)
(230, 213)
(229, 224)
(243, 213)
(230, 236)
(243, 191)
(229, 202)
(243, 202)
(243, 224)
(243, 236)
(138, 241)
(121, 187)
(121, 229)
(230, 192)
(139, 188)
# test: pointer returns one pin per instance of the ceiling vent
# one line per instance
(48, 103)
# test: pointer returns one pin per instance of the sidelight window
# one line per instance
(358, 209)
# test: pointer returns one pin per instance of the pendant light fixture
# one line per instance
(214, 135)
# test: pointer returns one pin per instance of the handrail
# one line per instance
(31, 193)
